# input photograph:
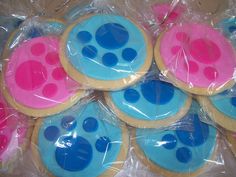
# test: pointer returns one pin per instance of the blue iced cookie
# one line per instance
(149, 104)
(222, 108)
(80, 143)
(7, 26)
(33, 28)
(106, 52)
(228, 26)
(181, 152)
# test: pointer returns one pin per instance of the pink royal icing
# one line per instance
(34, 72)
(198, 55)
(13, 131)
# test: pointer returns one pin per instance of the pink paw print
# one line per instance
(34, 76)
(201, 51)
(197, 54)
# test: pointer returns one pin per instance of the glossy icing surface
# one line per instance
(183, 150)
(79, 143)
(34, 72)
(198, 51)
(149, 100)
(106, 47)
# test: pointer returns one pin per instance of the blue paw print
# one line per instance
(154, 91)
(194, 138)
(110, 36)
(149, 100)
(74, 152)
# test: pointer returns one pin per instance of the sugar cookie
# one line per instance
(187, 52)
(105, 52)
(221, 108)
(34, 81)
(181, 152)
(79, 143)
(149, 104)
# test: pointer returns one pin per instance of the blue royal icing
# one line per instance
(78, 143)
(106, 47)
(149, 100)
(225, 103)
(187, 149)
(229, 29)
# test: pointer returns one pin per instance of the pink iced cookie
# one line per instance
(14, 131)
(198, 58)
(36, 82)
(166, 14)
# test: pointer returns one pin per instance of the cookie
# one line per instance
(200, 53)
(231, 138)
(149, 104)
(221, 108)
(79, 142)
(105, 52)
(15, 132)
(33, 71)
(181, 152)
(7, 24)
(228, 26)
(166, 13)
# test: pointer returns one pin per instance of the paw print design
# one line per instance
(13, 133)
(203, 53)
(165, 14)
(229, 29)
(149, 104)
(106, 48)
(222, 107)
(34, 72)
(187, 148)
(80, 143)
